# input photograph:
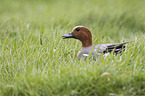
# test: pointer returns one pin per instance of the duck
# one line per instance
(83, 34)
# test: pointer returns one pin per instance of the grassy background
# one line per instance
(35, 60)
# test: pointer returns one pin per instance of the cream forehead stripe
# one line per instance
(77, 27)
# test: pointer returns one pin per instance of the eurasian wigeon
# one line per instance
(84, 35)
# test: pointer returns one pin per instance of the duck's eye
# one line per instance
(77, 29)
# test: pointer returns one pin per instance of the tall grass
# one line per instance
(35, 60)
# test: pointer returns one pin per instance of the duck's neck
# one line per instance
(86, 43)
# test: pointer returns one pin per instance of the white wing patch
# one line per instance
(106, 54)
(85, 55)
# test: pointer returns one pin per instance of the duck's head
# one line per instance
(82, 33)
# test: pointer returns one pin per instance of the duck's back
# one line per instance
(101, 49)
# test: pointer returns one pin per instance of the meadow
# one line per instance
(36, 61)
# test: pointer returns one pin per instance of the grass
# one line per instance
(36, 61)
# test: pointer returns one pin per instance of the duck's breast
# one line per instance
(84, 51)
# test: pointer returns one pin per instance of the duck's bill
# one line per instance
(69, 35)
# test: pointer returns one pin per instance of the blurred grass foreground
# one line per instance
(35, 61)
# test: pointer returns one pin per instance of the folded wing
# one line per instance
(115, 48)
